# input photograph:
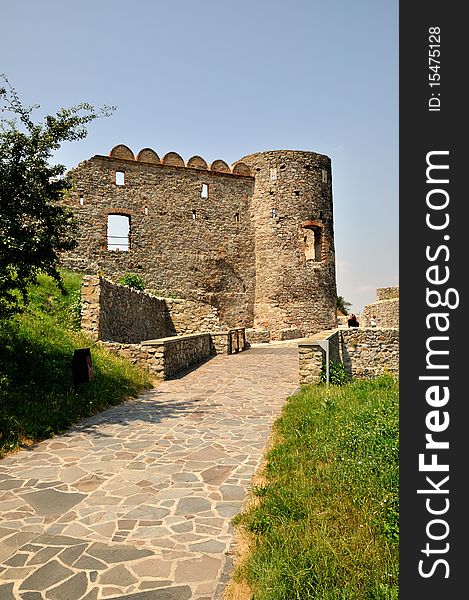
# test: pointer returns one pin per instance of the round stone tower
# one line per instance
(294, 242)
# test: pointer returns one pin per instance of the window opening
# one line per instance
(324, 176)
(145, 210)
(273, 174)
(194, 214)
(82, 201)
(118, 233)
(237, 217)
(313, 243)
(120, 178)
(204, 191)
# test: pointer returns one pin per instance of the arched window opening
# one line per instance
(313, 243)
(118, 233)
(204, 191)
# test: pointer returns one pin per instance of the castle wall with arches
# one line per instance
(254, 239)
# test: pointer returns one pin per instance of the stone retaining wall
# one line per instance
(368, 353)
(385, 309)
(181, 352)
(119, 313)
(258, 336)
(385, 312)
(187, 316)
(165, 357)
(365, 352)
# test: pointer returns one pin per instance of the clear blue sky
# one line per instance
(225, 79)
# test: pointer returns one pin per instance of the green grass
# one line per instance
(324, 522)
(37, 395)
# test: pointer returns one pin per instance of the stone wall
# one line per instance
(121, 314)
(365, 352)
(387, 293)
(254, 240)
(183, 244)
(118, 313)
(192, 317)
(385, 309)
(165, 357)
(181, 352)
(295, 259)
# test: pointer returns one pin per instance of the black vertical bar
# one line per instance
(433, 252)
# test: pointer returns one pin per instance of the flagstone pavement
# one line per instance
(136, 502)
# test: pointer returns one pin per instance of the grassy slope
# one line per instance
(323, 523)
(37, 394)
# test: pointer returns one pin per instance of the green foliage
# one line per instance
(34, 226)
(337, 373)
(343, 305)
(132, 280)
(37, 395)
(324, 524)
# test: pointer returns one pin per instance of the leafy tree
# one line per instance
(342, 305)
(34, 226)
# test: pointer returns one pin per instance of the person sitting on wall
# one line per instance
(352, 321)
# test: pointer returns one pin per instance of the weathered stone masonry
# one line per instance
(118, 313)
(365, 352)
(254, 241)
(385, 309)
(155, 333)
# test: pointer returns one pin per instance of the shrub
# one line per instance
(133, 280)
(337, 373)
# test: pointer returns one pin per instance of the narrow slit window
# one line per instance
(118, 233)
(194, 214)
(273, 174)
(145, 210)
(237, 217)
(82, 201)
(204, 191)
(120, 177)
(324, 176)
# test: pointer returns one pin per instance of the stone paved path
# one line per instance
(136, 502)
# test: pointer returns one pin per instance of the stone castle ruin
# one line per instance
(255, 241)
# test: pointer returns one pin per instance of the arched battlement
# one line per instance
(220, 166)
(197, 162)
(240, 168)
(122, 151)
(173, 159)
(149, 156)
